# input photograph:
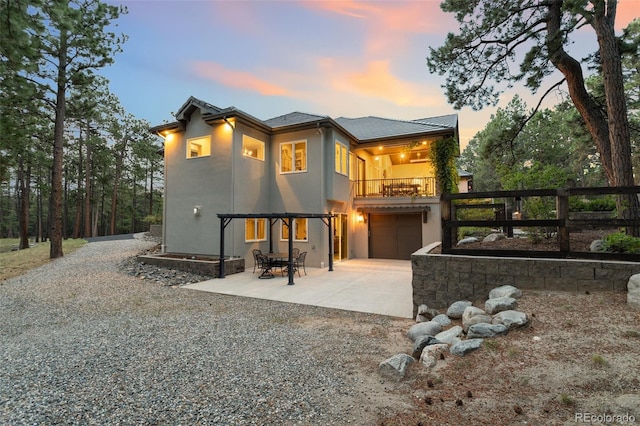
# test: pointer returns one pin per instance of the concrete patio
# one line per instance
(378, 286)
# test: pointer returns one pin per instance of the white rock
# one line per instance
(449, 336)
(505, 291)
(442, 319)
(431, 354)
(499, 304)
(511, 319)
(396, 366)
(473, 315)
(493, 237)
(430, 328)
(633, 291)
(457, 308)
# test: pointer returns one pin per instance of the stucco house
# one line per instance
(373, 174)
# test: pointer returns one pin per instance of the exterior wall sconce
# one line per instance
(361, 218)
(196, 210)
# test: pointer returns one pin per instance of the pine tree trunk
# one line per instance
(58, 152)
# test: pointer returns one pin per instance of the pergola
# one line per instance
(287, 220)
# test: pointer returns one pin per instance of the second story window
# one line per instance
(293, 157)
(342, 155)
(199, 147)
(252, 147)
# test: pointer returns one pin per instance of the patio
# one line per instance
(378, 286)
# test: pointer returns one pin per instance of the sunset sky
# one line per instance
(268, 58)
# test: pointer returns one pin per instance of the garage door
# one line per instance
(394, 236)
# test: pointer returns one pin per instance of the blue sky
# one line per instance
(268, 58)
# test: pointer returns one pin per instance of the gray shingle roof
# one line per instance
(363, 128)
(293, 118)
(366, 128)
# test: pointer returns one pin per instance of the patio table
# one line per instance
(275, 260)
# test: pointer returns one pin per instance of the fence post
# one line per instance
(446, 228)
(562, 207)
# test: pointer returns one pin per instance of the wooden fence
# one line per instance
(508, 216)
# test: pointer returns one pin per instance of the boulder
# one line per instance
(450, 336)
(442, 319)
(484, 330)
(429, 328)
(421, 343)
(473, 315)
(511, 319)
(505, 291)
(432, 353)
(457, 308)
(493, 237)
(596, 246)
(499, 304)
(467, 240)
(395, 367)
(633, 291)
(425, 313)
(465, 346)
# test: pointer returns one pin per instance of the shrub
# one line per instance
(153, 219)
(621, 243)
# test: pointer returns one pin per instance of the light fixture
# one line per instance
(228, 122)
(361, 218)
(196, 210)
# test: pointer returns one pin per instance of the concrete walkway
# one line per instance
(378, 286)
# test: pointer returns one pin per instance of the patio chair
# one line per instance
(256, 261)
(299, 261)
(295, 253)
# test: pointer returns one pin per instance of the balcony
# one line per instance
(398, 187)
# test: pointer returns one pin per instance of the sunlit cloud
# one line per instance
(237, 79)
(377, 80)
(626, 12)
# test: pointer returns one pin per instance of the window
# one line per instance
(342, 155)
(300, 230)
(199, 147)
(255, 229)
(293, 157)
(252, 147)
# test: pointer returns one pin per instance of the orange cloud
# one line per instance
(237, 79)
(379, 82)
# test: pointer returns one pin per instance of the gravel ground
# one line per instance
(84, 342)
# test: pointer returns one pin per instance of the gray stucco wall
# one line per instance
(439, 280)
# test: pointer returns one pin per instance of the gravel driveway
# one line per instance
(83, 343)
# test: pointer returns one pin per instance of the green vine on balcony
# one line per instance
(443, 154)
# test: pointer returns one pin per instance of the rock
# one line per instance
(511, 319)
(499, 304)
(442, 319)
(473, 315)
(505, 291)
(493, 237)
(484, 330)
(421, 343)
(450, 336)
(467, 240)
(596, 246)
(425, 313)
(396, 366)
(430, 328)
(457, 308)
(465, 346)
(432, 353)
(633, 291)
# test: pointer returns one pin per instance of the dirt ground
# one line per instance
(578, 360)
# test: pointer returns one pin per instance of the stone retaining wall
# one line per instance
(439, 280)
(202, 267)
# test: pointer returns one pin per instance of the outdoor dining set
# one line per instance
(267, 263)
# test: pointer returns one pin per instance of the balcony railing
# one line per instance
(400, 187)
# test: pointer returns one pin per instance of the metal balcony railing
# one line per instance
(399, 187)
